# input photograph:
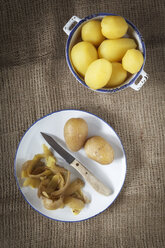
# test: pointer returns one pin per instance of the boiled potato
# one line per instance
(75, 133)
(91, 32)
(132, 61)
(82, 54)
(98, 73)
(118, 75)
(113, 27)
(98, 149)
(114, 50)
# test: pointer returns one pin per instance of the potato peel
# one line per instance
(53, 183)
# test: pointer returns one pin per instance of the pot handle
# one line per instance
(73, 19)
(138, 86)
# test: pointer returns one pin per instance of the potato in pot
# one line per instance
(91, 32)
(133, 60)
(98, 149)
(118, 76)
(114, 27)
(82, 54)
(98, 73)
(114, 50)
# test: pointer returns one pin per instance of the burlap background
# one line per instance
(35, 80)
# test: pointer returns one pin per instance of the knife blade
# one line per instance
(88, 176)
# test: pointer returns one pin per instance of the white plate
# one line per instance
(113, 175)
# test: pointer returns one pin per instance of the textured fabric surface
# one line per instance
(35, 80)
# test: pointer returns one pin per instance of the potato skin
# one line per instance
(75, 133)
(98, 149)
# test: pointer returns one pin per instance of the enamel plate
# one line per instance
(113, 175)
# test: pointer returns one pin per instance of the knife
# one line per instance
(87, 175)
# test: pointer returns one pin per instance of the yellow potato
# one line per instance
(75, 133)
(91, 32)
(114, 27)
(133, 61)
(98, 149)
(98, 73)
(114, 50)
(118, 75)
(82, 54)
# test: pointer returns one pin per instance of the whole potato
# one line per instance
(75, 133)
(98, 149)
(98, 73)
(114, 27)
(91, 32)
(82, 54)
(133, 61)
(114, 50)
(118, 75)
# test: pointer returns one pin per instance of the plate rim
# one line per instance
(15, 174)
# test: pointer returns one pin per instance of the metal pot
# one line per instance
(74, 36)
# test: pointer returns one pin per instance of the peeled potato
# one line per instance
(114, 27)
(91, 32)
(82, 54)
(98, 73)
(133, 61)
(118, 75)
(98, 149)
(75, 133)
(114, 50)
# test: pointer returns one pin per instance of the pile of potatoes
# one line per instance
(96, 147)
(103, 57)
